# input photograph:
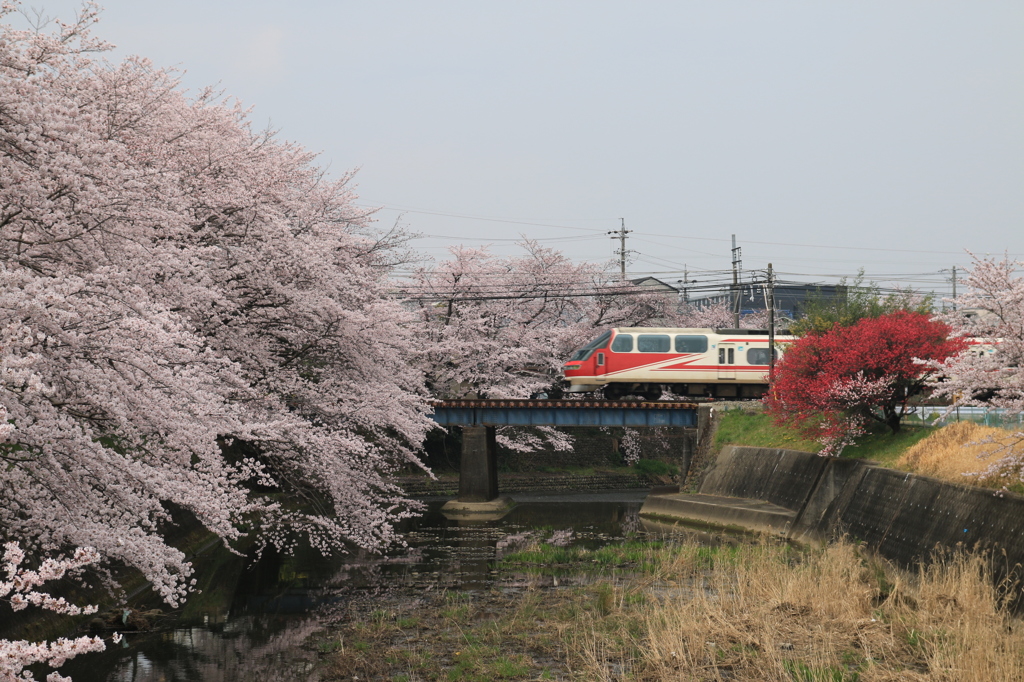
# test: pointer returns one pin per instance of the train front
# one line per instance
(581, 371)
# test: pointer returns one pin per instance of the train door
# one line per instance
(601, 357)
(726, 361)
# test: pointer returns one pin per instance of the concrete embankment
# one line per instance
(448, 486)
(808, 498)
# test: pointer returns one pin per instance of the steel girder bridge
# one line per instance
(478, 472)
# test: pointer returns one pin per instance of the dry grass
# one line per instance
(963, 452)
(748, 612)
(834, 615)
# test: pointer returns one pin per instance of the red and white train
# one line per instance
(645, 361)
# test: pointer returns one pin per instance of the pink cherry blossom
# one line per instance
(990, 373)
(18, 587)
(190, 311)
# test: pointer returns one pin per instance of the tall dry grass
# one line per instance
(963, 453)
(768, 613)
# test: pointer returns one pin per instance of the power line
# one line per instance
(811, 246)
(490, 220)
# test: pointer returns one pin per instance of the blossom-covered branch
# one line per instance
(18, 588)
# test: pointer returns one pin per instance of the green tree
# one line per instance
(824, 313)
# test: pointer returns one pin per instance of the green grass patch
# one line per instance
(758, 430)
(545, 558)
(634, 556)
(653, 467)
(884, 447)
(801, 672)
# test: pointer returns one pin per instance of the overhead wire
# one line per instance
(923, 279)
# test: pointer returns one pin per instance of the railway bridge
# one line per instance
(478, 472)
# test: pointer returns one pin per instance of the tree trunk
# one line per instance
(892, 420)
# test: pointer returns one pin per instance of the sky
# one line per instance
(827, 137)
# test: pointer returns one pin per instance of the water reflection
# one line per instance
(251, 618)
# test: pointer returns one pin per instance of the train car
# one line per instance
(645, 361)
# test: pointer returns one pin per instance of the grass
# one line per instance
(884, 447)
(968, 453)
(772, 614)
(653, 467)
(758, 430)
(646, 556)
(690, 612)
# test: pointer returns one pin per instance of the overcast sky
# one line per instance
(826, 136)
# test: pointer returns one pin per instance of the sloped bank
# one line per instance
(812, 499)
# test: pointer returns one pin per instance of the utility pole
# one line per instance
(736, 263)
(953, 271)
(771, 326)
(954, 287)
(620, 234)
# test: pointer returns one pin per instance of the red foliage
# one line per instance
(832, 384)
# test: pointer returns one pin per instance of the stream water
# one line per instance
(252, 617)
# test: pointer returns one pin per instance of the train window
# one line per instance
(721, 356)
(691, 344)
(588, 350)
(757, 356)
(623, 343)
(653, 343)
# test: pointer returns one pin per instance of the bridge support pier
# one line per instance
(478, 472)
(478, 475)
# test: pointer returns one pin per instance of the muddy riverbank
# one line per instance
(679, 609)
(252, 616)
(575, 587)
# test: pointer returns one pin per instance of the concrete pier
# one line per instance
(478, 473)
(478, 476)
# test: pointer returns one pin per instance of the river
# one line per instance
(252, 616)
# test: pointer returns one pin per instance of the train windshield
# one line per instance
(588, 350)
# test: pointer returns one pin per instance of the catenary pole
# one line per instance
(771, 325)
(620, 234)
(735, 284)
(954, 287)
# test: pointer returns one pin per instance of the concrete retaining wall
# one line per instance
(782, 477)
(904, 517)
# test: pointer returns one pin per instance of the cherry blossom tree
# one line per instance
(833, 384)
(190, 312)
(716, 316)
(502, 327)
(990, 317)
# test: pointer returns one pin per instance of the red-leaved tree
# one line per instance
(833, 384)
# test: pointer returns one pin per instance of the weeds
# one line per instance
(963, 453)
(691, 612)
